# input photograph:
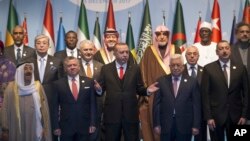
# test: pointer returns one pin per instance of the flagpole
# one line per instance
(164, 18)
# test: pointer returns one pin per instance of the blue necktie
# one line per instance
(42, 68)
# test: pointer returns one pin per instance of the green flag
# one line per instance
(145, 38)
(12, 22)
(83, 28)
(97, 35)
(179, 34)
(130, 38)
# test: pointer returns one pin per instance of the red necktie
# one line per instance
(121, 72)
(74, 88)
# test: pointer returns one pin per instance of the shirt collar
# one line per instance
(179, 77)
(69, 50)
(118, 65)
(189, 66)
(76, 77)
(21, 47)
(84, 62)
(45, 57)
(227, 63)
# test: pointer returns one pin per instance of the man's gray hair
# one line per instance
(86, 42)
(176, 56)
(40, 37)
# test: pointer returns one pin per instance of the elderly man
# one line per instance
(105, 54)
(25, 113)
(206, 47)
(18, 51)
(154, 63)
(177, 105)
(225, 93)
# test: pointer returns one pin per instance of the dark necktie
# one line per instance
(193, 73)
(72, 53)
(18, 55)
(121, 72)
(175, 85)
(225, 72)
(74, 88)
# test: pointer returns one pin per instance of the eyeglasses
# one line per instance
(165, 33)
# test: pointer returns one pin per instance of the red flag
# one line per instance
(197, 37)
(48, 26)
(26, 39)
(246, 13)
(216, 31)
(110, 21)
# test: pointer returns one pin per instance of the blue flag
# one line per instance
(60, 44)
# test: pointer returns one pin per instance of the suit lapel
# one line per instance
(220, 72)
(114, 72)
(67, 86)
(96, 69)
(169, 81)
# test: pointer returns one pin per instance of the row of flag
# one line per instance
(145, 37)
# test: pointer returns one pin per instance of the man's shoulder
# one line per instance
(59, 53)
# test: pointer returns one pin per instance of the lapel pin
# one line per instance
(185, 80)
(234, 67)
(24, 54)
(79, 57)
(95, 68)
(51, 63)
(201, 70)
(83, 81)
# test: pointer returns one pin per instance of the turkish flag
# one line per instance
(216, 31)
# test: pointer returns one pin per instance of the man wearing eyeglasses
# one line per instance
(154, 63)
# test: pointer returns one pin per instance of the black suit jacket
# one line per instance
(62, 54)
(221, 101)
(121, 100)
(10, 53)
(75, 115)
(53, 69)
(199, 72)
(187, 105)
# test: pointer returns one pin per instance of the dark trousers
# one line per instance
(175, 135)
(202, 136)
(75, 137)
(218, 133)
(114, 131)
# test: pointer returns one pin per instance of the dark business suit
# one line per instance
(202, 136)
(99, 99)
(225, 105)
(187, 107)
(121, 104)
(76, 116)
(63, 54)
(237, 58)
(10, 53)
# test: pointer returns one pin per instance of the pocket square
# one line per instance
(86, 87)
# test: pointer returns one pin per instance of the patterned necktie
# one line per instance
(193, 73)
(175, 85)
(225, 72)
(121, 72)
(89, 73)
(18, 55)
(74, 88)
(42, 69)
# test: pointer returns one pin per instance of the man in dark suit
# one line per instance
(18, 50)
(122, 81)
(225, 93)
(192, 69)
(241, 50)
(71, 49)
(92, 68)
(75, 95)
(177, 104)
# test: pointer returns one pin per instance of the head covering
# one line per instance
(30, 89)
(161, 28)
(110, 31)
(206, 25)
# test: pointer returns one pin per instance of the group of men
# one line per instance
(81, 94)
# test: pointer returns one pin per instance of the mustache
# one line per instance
(28, 73)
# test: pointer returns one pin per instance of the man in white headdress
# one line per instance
(25, 112)
(206, 47)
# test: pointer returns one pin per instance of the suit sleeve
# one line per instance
(141, 90)
(93, 110)
(245, 93)
(156, 109)
(55, 108)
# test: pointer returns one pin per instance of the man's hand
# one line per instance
(157, 130)
(92, 129)
(57, 132)
(242, 121)
(153, 88)
(195, 131)
(211, 124)
(97, 86)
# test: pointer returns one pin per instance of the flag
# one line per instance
(232, 38)
(197, 37)
(60, 44)
(130, 38)
(110, 20)
(145, 36)
(12, 22)
(26, 39)
(179, 34)
(83, 28)
(246, 13)
(216, 30)
(48, 27)
(97, 35)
